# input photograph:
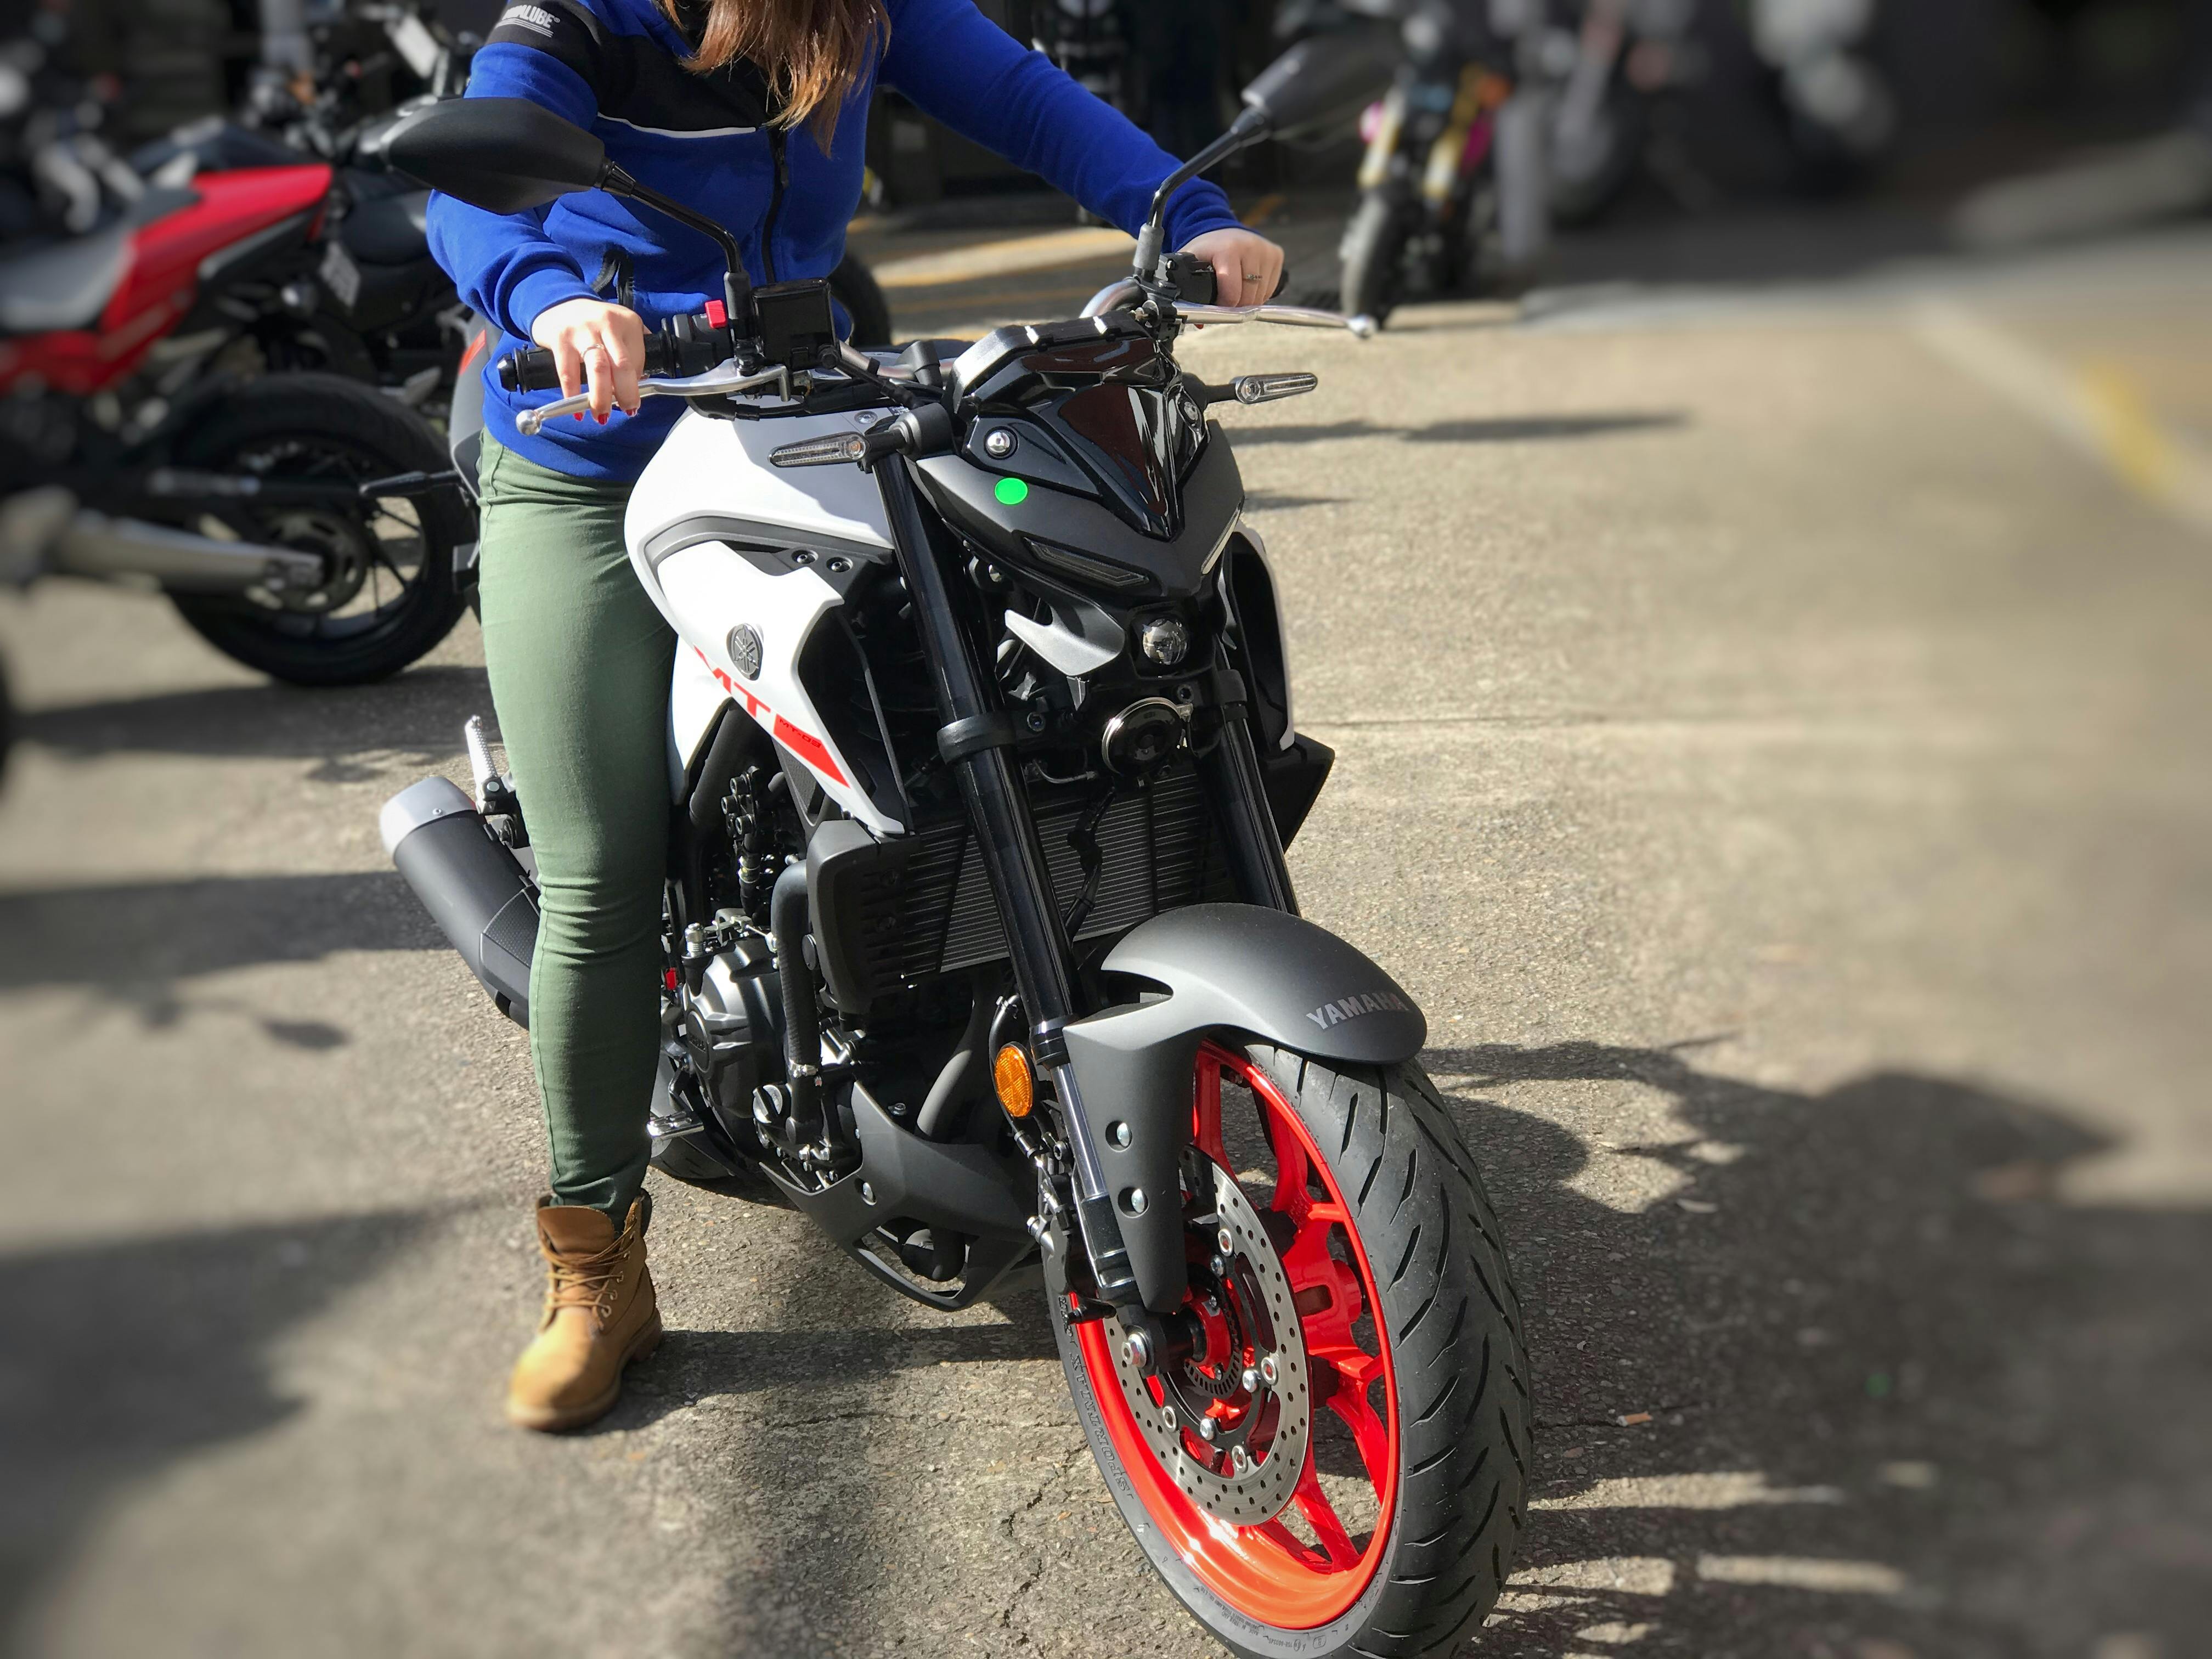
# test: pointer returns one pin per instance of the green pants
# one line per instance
(579, 663)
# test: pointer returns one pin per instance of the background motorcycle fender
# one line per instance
(1240, 971)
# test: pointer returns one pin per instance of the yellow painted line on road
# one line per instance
(1077, 245)
(2097, 410)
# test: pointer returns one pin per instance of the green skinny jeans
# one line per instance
(580, 662)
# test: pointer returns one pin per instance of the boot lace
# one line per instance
(585, 1281)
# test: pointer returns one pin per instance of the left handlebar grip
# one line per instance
(531, 369)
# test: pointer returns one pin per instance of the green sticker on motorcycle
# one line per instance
(1012, 491)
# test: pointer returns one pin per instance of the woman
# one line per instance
(753, 112)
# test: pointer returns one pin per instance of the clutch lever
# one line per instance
(723, 381)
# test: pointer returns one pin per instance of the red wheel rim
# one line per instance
(1269, 1572)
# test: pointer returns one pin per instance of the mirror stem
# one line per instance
(737, 285)
(1248, 127)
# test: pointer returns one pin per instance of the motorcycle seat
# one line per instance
(390, 231)
(63, 285)
(67, 284)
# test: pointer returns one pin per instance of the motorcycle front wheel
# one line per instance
(1333, 1458)
(1373, 256)
(389, 594)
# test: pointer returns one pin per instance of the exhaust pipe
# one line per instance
(45, 530)
(470, 883)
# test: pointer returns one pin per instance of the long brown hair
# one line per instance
(812, 51)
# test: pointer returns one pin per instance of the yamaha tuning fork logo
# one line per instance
(1368, 1002)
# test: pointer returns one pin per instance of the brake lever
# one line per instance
(723, 381)
(1362, 327)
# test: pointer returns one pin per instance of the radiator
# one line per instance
(1158, 852)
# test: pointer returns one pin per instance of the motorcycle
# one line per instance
(982, 950)
(375, 305)
(295, 521)
(1448, 180)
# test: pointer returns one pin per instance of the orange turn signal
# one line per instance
(1010, 1076)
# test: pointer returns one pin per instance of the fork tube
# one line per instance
(1255, 847)
(975, 740)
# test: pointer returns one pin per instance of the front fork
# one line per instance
(975, 738)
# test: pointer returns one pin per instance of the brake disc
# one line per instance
(1208, 1472)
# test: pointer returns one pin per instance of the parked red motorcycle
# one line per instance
(296, 520)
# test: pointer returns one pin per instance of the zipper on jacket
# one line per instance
(777, 139)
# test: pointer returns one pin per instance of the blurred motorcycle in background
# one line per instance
(375, 306)
(294, 521)
(1451, 179)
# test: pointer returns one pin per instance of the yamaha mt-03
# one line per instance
(980, 947)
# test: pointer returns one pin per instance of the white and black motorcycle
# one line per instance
(982, 950)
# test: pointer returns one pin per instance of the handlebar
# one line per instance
(683, 346)
(694, 356)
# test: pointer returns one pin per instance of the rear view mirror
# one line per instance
(1325, 77)
(502, 154)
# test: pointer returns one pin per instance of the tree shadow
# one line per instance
(1501, 429)
(123, 1358)
(1898, 1391)
(416, 716)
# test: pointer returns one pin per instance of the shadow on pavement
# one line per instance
(1904, 1400)
(179, 930)
(1531, 428)
(418, 716)
(122, 1358)
(694, 1365)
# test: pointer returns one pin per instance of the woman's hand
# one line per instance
(1247, 266)
(593, 341)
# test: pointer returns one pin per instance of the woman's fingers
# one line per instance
(568, 362)
(1229, 279)
(1247, 266)
(1271, 275)
(597, 348)
(623, 337)
(598, 367)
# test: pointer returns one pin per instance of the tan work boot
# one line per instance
(601, 1314)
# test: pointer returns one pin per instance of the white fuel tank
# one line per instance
(745, 560)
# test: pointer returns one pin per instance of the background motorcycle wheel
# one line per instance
(1373, 254)
(854, 286)
(1413, 1482)
(391, 595)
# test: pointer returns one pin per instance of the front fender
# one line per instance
(1233, 971)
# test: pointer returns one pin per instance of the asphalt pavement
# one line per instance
(1772, 744)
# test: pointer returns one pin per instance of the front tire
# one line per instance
(1373, 255)
(1409, 1499)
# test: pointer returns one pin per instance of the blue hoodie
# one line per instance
(613, 66)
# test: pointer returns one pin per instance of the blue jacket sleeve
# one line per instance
(504, 264)
(970, 74)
